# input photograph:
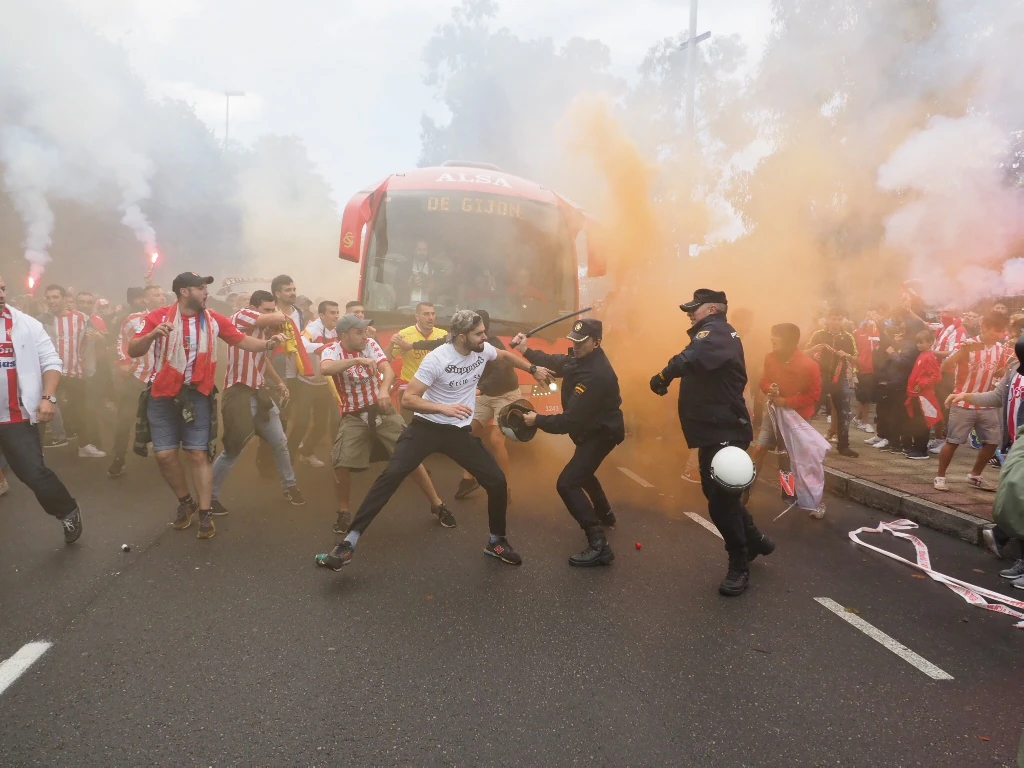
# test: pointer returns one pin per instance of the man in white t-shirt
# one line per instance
(442, 395)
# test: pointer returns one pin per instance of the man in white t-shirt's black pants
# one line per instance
(442, 395)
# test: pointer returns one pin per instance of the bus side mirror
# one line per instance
(355, 217)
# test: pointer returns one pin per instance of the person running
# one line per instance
(131, 374)
(248, 408)
(181, 404)
(978, 363)
(69, 330)
(442, 396)
(362, 377)
(31, 371)
(312, 415)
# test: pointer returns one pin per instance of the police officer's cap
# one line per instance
(585, 329)
(704, 296)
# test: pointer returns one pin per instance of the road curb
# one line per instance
(900, 504)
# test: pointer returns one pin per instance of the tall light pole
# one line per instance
(691, 72)
(227, 111)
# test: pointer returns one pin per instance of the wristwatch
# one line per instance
(533, 370)
(51, 398)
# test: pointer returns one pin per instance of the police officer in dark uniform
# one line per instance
(592, 417)
(713, 414)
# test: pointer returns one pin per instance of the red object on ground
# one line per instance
(639, 545)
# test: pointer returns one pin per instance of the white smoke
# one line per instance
(73, 134)
(30, 168)
(962, 223)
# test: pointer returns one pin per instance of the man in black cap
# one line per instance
(713, 414)
(592, 417)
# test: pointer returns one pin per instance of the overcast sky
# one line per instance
(347, 76)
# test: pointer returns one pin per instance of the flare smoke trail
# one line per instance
(29, 167)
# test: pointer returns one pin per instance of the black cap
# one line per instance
(585, 329)
(350, 321)
(704, 296)
(189, 280)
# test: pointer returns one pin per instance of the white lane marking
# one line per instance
(15, 666)
(635, 477)
(879, 636)
(703, 522)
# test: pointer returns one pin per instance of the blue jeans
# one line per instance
(273, 435)
(169, 431)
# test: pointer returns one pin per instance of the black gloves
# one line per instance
(659, 384)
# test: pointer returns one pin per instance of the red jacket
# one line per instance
(799, 380)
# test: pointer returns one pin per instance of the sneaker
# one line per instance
(857, 423)
(183, 519)
(828, 419)
(444, 515)
(849, 453)
(988, 538)
(980, 483)
(217, 509)
(502, 550)
(881, 444)
(311, 461)
(341, 522)
(818, 513)
(90, 452)
(72, 526)
(939, 484)
(691, 475)
(873, 440)
(1018, 583)
(937, 448)
(918, 455)
(294, 496)
(116, 467)
(466, 487)
(207, 530)
(338, 557)
(869, 429)
(56, 442)
(936, 444)
(1015, 571)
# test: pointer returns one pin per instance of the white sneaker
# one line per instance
(90, 452)
(818, 513)
(311, 461)
(939, 483)
(857, 423)
(883, 443)
(869, 429)
(873, 440)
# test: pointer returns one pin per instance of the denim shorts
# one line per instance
(169, 430)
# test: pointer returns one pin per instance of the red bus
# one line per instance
(469, 236)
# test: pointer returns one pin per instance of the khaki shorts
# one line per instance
(986, 422)
(488, 407)
(353, 446)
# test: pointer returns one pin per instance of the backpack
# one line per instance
(1008, 510)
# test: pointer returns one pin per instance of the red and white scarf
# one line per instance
(172, 359)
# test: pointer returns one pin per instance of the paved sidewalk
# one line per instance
(895, 484)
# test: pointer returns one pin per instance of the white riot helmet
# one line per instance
(733, 469)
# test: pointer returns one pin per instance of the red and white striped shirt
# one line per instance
(358, 386)
(951, 337)
(70, 341)
(1014, 398)
(979, 373)
(139, 367)
(12, 410)
(246, 367)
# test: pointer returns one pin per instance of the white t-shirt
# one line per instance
(452, 378)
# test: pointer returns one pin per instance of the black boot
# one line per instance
(758, 544)
(738, 577)
(597, 552)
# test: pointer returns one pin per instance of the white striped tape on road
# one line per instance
(15, 666)
(635, 477)
(880, 637)
(703, 522)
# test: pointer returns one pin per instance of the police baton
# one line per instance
(549, 323)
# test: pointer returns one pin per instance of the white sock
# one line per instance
(352, 538)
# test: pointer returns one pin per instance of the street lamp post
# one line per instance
(227, 111)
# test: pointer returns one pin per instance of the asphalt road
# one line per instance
(238, 651)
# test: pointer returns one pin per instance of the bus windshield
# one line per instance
(509, 256)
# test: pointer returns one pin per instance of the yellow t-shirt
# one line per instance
(411, 360)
